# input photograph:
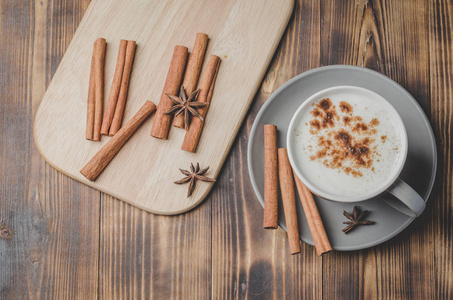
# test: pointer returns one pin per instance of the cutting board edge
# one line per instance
(93, 185)
(202, 197)
(101, 189)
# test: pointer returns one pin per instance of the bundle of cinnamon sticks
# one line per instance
(110, 123)
(113, 116)
(116, 104)
(176, 73)
(277, 168)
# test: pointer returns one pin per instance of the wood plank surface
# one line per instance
(53, 249)
(69, 241)
(441, 89)
(150, 256)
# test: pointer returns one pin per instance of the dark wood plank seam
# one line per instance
(382, 66)
(101, 203)
(427, 14)
(321, 8)
(439, 19)
(430, 12)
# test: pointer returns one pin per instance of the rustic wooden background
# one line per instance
(65, 240)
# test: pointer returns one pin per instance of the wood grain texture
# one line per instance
(145, 256)
(441, 89)
(70, 241)
(244, 34)
(53, 251)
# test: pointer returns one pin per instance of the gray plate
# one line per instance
(419, 170)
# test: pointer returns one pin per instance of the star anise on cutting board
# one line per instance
(188, 106)
(192, 176)
(356, 219)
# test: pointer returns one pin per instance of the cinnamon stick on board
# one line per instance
(115, 89)
(99, 62)
(90, 99)
(270, 177)
(162, 122)
(192, 136)
(103, 157)
(122, 96)
(289, 200)
(193, 71)
(314, 221)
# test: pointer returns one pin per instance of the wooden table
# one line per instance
(70, 241)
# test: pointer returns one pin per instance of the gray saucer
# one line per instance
(419, 170)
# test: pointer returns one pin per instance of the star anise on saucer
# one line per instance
(356, 219)
(192, 176)
(188, 106)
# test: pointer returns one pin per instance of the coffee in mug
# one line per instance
(349, 144)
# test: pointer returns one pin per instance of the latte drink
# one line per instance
(349, 144)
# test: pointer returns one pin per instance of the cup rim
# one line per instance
(339, 198)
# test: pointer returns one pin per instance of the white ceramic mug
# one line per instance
(407, 200)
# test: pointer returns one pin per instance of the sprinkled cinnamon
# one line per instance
(347, 147)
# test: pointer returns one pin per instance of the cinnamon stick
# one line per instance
(103, 157)
(115, 89)
(122, 96)
(162, 122)
(99, 62)
(314, 221)
(270, 177)
(289, 200)
(192, 136)
(91, 98)
(193, 71)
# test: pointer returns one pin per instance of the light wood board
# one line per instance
(244, 33)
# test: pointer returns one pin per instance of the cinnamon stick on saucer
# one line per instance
(289, 200)
(192, 136)
(270, 177)
(162, 121)
(103, 157)
(314, 221)
(193, 71)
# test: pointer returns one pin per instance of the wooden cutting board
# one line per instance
(244, 33)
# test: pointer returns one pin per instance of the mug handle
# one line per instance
(408, 200)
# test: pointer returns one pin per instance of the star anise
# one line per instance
(356, 219)
(192, 176)
(188, 106)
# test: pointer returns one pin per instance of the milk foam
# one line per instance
(388, 150)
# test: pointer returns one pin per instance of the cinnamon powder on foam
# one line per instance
(344, 141)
